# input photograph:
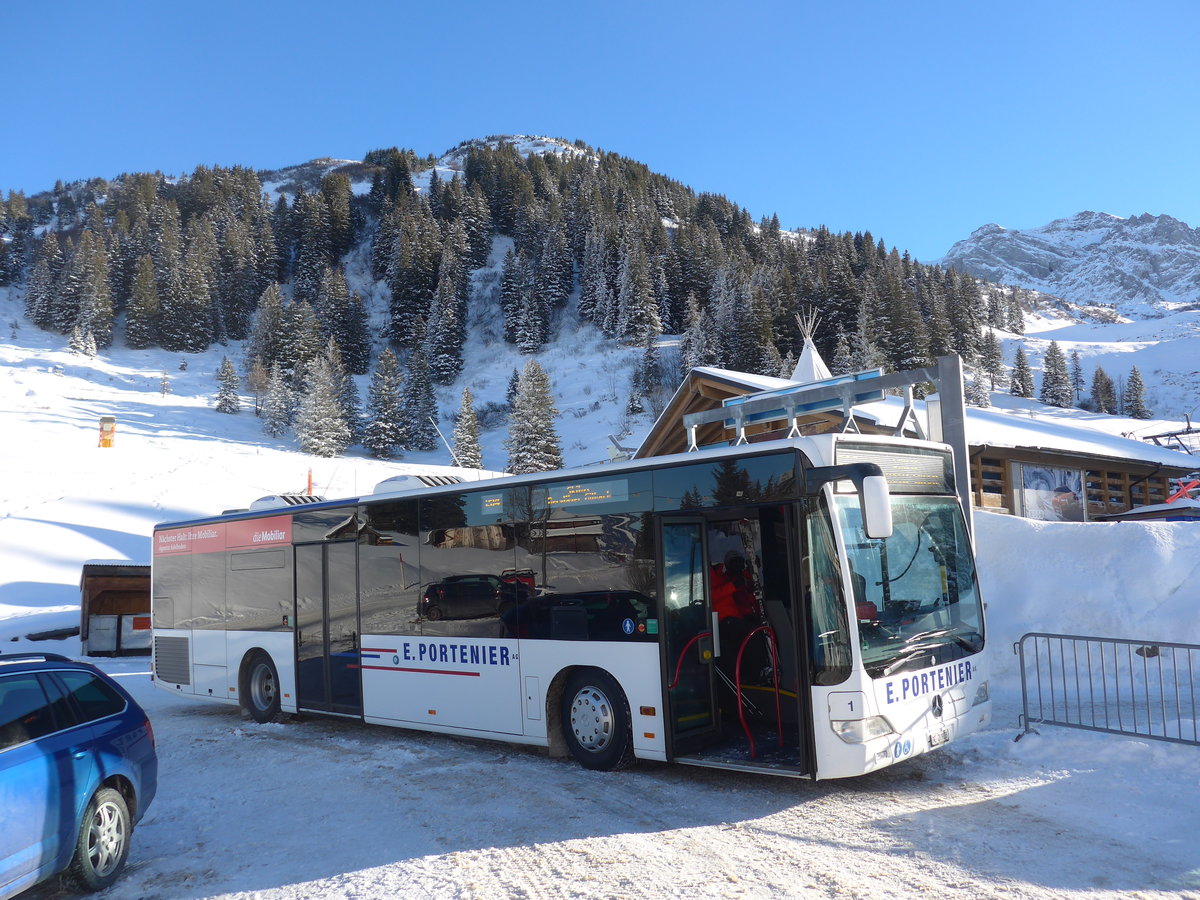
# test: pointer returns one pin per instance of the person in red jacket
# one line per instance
(732, 588)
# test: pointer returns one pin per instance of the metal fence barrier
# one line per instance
(1147, 689)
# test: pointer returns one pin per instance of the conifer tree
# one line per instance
(445, 335)
(696, 347)
(467, 450)
(1076, 376)
(412, 271)
(356, 336)
(1056, 382)
(477, 219)
(166, 238)
(257, 380)
(320, 425)
(268, 338)
(39, 299)
(347, 390)
(277, 406)
(533, 444)
(1015, 315)
(637, 307)
(336, 192)
(840, 364)
(228, 400)
(420, 406)
(1104, 393)
(1134, 399)
(1022, 376)
(977, 391)
(87, 292)
(865, 353)
(991, 358)
(514, 383)
(313, 244)
(141, 315)
(82, 341)
(384, 434)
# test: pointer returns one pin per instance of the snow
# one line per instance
(316, 807)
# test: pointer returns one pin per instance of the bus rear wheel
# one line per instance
(595, 721)
(260, 688)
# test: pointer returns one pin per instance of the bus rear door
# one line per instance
(327, 651)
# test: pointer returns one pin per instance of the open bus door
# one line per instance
(736, 688)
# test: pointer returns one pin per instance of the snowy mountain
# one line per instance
(1143, 267)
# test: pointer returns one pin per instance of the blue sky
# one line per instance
(918, 122)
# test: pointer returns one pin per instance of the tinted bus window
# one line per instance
(172, 602)
(389, 568)
(324, 524)
(588, 544)
(469, 574)
(208, 607)
(728, 482)
(259, 585)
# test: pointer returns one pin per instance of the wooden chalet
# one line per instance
(1038, 465)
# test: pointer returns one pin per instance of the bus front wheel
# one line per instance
(260, 688)
(595, 721)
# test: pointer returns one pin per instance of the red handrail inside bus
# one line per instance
(771, 642)
(679, 664)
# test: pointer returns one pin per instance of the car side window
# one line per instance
(94, 698)
(24, 710)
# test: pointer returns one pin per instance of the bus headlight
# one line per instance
(859, 731)
(981, 694)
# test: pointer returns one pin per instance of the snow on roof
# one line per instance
(1028, 430)
(743, 379)
(1010, 428)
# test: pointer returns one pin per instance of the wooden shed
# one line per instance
(114, 607)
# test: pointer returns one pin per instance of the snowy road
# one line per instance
(330, 808)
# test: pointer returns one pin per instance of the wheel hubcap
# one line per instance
(592, 719)
(106, 839)
(262, 687)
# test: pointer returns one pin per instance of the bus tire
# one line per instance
(260, 688)
(595, 721)
(102, 845)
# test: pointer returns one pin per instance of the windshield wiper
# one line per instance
(921, 643)
(922, 638)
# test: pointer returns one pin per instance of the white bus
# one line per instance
(804, 607)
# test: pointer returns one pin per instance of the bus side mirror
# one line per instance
(876, 507)
(872, 487)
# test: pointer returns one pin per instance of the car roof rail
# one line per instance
(27, 657)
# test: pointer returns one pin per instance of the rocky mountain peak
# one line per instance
(1144, 266)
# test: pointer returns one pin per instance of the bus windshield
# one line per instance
(915, 595)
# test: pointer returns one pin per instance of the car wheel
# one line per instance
(260, 688)
(103, 843)
(433, 613)
(595, 721)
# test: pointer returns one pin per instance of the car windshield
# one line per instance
(915, 594)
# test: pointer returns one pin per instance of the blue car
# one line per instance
(78, 770)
